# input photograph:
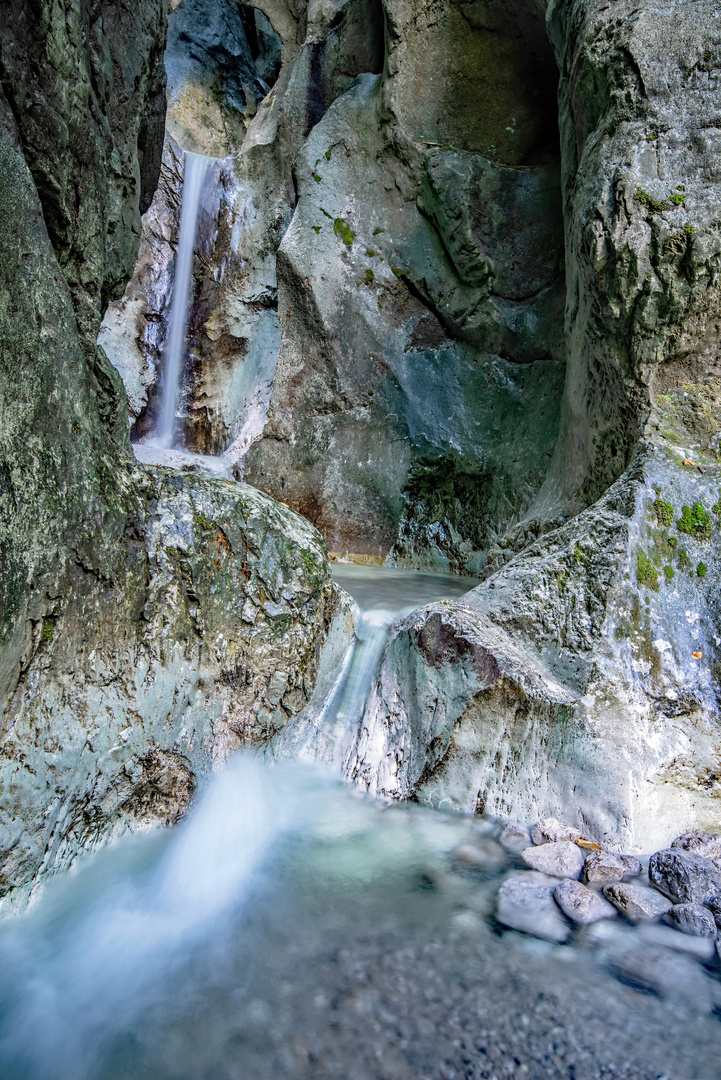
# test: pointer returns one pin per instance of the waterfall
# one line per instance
(196, 166)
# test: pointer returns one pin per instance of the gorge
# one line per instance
(360, 500)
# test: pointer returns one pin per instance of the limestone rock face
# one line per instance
(86, 87)
(213, 84)
(205, 640)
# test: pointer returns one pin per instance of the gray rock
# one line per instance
(558, 859)
(707, 845)
(604, 866)
(525, 902)
(581, 904)
(636, 902)
(692, 919)
(684, 876)
(714, 906)
(515, 837)
(550, 830)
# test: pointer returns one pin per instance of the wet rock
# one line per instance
(707, 845)
(684, 876)
(603, 866)
(558, 859)
(714, 906)
(703, 948)
(481, 853)
(550, 830)
(515, 837)
(692, 919)
(525, 902)
(636, 902)
(667, 974)
(580, 904)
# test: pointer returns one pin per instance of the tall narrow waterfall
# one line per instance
(196, 166)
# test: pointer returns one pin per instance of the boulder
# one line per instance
(525, 902)
(580, 904)
(691, 919)
(684, 876)
(557, 859)
(601, 867)
(636, 902)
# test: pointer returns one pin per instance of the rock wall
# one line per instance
(498, 354)
(416, 273)
(581, 678)
(150, 622)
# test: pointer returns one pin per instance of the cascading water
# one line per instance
(196, 168)
(330, 732)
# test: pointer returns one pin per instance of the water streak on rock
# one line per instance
(196, 166)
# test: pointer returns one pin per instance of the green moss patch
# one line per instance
(664, 512)
(344, 232)
(649, 203)
(646, 573)
(695, 521)
(701, 570)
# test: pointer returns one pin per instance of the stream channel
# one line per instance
(293, 927)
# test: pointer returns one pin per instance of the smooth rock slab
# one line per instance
(562, 859)
(692, 919)
(605, 866)
(684, 877)
(636, 902)
(515, 837)
(581, 904)
(550, 831)
(525, 902)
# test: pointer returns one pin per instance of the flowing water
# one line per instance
(291, 927)
(196, 167)
(383, 596)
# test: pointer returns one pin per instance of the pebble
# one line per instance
(684, 876)
(561, 859)
(636, 902)
(525, 902)
(581, 904)
(550, 830)
(515, 837)
(692, 919)
(604, 866)
(707, 845)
